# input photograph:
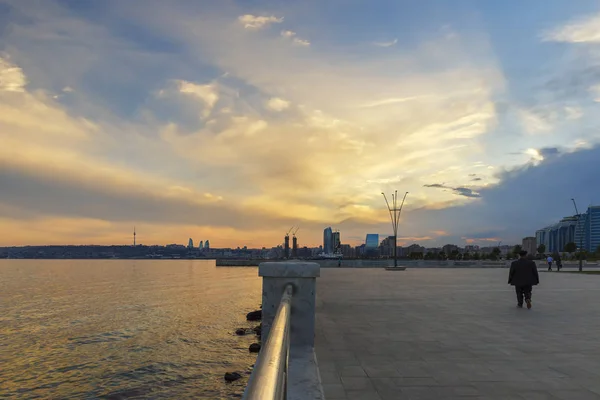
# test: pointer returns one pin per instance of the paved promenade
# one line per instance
(456, 334)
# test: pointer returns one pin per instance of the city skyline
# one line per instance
(234, 121)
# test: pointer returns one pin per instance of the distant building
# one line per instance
(449, 248)
(471, 248)
(372, 241)
(347, 251)
(529, 244)
(387, 247)
(206, 245)
(414, 248)
(200, 245)
(286, 246)
(190, 244)
(568, 229)
(588, 229)
(336, 241)
(294, 247)
(328, 241)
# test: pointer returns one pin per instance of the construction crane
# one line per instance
(295, 230)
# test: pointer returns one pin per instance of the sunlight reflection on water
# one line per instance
(122, 329)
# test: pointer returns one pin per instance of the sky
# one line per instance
(234, 121)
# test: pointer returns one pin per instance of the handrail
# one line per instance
(269, 377)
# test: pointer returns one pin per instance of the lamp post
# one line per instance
(395, 217)
(581, 232)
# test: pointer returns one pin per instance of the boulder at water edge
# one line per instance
(254, 348)
(232, 376)
(240, 331)
(254, 315)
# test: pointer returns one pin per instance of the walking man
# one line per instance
(549, 261)
(523, 276)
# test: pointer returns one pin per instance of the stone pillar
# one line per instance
(302, 276)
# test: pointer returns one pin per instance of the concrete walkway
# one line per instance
(456, 334)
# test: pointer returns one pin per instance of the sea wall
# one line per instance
(332, 263)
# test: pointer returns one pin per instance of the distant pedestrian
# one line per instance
(558, 262)
(523, 276)
(549, 260)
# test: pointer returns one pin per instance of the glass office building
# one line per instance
(372, 241)
(583, 230)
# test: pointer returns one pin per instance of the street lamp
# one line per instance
(395, 217)
(581, 232)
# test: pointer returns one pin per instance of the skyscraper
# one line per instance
(200, 245)
(588, 226)
(594, 224)
(190, 243)
(372, 241)
(286, 246)
(328, 241)
(206, 245)
(336, 241)
(294, 247)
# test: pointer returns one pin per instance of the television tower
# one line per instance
(134, 236)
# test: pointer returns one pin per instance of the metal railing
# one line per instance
(269, 377)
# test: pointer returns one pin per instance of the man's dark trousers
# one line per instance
(523, 291)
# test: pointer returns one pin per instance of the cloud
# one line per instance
(391, 101)
(595, 91)
(581, 30)
(67, 89)
(461, 191)
(573, 112)
(277, 104)
(12, 78)
(386, 44)
(296, 40)
(207, 93)
(257, 22)
(208, 154)
(534, 123)
(301, 42)
(505, 210)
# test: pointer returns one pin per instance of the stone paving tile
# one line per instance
(363, 395)
(334, 390)
(357, 383)
(456, 333)
(352, 371)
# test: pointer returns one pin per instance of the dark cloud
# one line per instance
(25, 193)
(476, 179)
(526, 199)
(549, 151)
(461, 191)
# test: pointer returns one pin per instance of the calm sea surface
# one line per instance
(123, 329)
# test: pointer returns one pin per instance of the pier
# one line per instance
(455, 334)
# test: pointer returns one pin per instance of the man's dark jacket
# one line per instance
(523, 272)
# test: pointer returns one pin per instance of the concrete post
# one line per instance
(302, 276)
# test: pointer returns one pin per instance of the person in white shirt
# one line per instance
(549, 260)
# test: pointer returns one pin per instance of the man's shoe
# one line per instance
(520, 305)
(528, 301)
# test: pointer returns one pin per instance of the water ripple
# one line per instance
(123, 329)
